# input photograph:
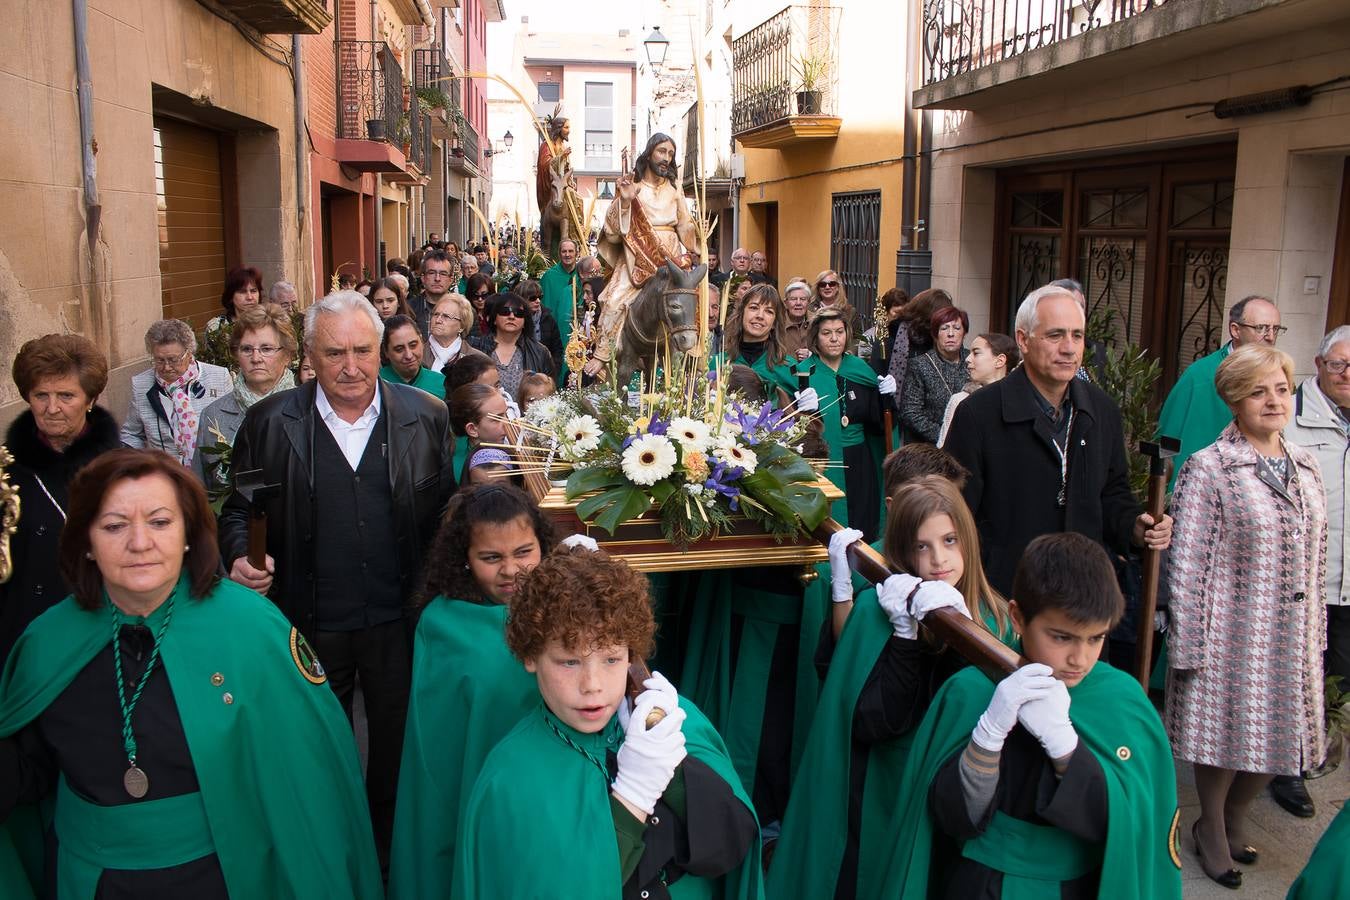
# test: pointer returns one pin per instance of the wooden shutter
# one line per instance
(191, 217)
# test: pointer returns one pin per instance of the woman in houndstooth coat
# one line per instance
(1244, 688)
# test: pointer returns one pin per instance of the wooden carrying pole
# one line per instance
(1158, 453)
(977, 646)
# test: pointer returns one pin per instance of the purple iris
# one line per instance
(656, 426)
(768, 418)
(717, 481)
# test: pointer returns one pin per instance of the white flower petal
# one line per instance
(649, 459)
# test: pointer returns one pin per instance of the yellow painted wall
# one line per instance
(865, 156)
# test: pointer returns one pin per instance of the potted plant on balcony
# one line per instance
(812, 72)
(403, 132)
(375, 129)
(431, 98)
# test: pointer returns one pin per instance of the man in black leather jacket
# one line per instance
(363, 471)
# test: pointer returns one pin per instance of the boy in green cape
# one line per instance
(1005, 796)
(587, 798)
(1327, 874)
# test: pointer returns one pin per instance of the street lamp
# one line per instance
(508, 139)
(657, 45)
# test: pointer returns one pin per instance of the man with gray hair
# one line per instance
(168, 398)
(362, 470)
(1194, 412)
(282, 293)
(1045, 449)
(1321, 423)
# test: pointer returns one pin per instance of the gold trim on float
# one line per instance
(698, 560)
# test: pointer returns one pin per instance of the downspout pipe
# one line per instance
(301, 152)
(84, 89)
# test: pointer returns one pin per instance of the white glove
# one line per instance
(1031, 682)
(933, 595)
(893, 598)
(584, 541)
(841, 576)
(807, 400)
(1048, 719)
(512, 409)
(657, 687)
(886, 384)
(648, 758)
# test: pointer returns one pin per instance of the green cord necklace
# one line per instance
(135, 780)
(558, 733)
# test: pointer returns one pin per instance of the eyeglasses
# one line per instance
(169, 362)
(445, 317)
(1265, 330)
(1336, 366)
(266, 351)
(433, 273)
(825, 284)
(512, 311)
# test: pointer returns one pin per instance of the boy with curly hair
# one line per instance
(605, 800)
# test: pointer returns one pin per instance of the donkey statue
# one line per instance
(666, 309)
(553, 227)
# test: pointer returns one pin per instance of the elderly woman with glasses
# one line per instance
(932, 379)
(451, 321)
(510, 341)
(167, 400)
(263, 345)
(1247, 579)
(180, 728)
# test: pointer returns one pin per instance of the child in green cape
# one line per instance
(1005, 795)
(468, 690)
(881, 680)
(589, 796)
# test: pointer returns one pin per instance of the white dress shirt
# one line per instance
(351, 437)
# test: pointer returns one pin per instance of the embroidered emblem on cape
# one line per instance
(306, 660)
(1173, 840)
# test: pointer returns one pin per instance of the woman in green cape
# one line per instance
(166, 733)
(468, 690)
(881, 679)
(847, 396)
(755, 337)
(591, 798)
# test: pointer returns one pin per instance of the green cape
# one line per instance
(431, 382)
(736, 705)
(558, 286)
(468, 691)
(277, 765)
(837, 435)
(1193, 411)
(552, 825)
(774, 377)
(810, 851)
(1115, 721)
(1327, 874)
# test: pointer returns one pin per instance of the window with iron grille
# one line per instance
(855, 246)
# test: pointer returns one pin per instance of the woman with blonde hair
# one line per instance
(1247, 578)
(883, 674)
(829, 293)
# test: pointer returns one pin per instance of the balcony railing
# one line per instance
(429, 67)
(370, 91)
(465, 152)
(786, 67)
(962, 35)
(420, 149)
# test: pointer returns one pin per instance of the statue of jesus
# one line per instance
(647, 225)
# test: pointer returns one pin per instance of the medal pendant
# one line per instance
(843, 420)
(1062, 499)
(136, 782)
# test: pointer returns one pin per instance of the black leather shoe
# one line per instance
(1246, 854)
(1291, 793)
(1231, 879)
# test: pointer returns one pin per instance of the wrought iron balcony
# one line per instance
(370, 91)
(281, 16)
(464, 156)
(961, 35)
(421, 138)
(784, 83)
(432, 70)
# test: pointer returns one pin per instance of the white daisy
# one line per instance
(582, 433)
(735, 455)
(649, 459)
(692, 434)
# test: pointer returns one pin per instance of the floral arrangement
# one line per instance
(695, 453)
